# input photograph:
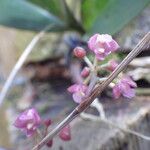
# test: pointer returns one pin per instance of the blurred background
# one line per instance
(48, 70)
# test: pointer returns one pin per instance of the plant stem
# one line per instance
(88, 62)
(98, 90)
(99, 107)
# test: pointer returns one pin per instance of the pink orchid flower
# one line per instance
(28, 121)
(125, 87)
(78, 91)
(102, 45)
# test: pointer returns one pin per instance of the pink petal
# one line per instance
(104, 38)
(92, 42)
(129, 81)
(107, 48)
(19, 124)
(77, 87)
(116, 91)
(107, 43)
(129, 94)
(126, 90)
(113, 45)
(77, 97)
(99, 56)
(37, 118)
(23, 119)
(73, 88)
(83, 88)
(30, 132)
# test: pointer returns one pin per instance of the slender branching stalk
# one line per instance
(145, 42)
(99, 108)
(86, 116)
(19, 63)
(102, 118)
(88, 63)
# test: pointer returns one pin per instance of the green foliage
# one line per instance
(53, 6)
(103, 16)
(61, 10)
(24, 15)
(109, 16)
(90, 10)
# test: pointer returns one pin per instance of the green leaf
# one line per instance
(53, 6)
(24, 15)
(110, 16)
(90, 10)
(62, 9)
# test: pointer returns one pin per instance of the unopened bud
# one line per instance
(47, 122)
(49, 143)
(112, 64)
(65, 133)
(79, 52)
(85, 72)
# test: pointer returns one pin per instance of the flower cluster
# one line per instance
(29, 121)
(101, 45)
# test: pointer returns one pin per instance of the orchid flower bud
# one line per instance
(112, 65)
(85, 72)
(79, 52)
(47, 122)
(65, 133)
(49, 143)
